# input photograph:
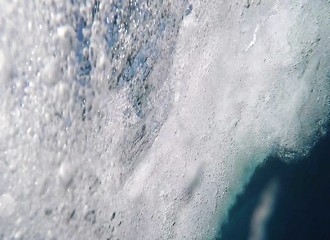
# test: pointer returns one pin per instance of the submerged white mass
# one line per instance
(143, 120)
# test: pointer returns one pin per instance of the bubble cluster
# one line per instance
(143, 119)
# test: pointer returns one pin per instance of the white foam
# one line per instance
(140, 133)
(7, 205)
(263, 212)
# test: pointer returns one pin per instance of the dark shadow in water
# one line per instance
(302, 208)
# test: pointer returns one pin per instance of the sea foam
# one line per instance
(143, 120)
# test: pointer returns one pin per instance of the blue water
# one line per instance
(302, 209)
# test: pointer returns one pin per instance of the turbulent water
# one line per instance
(138, 119)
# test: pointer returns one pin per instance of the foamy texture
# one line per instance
(135, 120)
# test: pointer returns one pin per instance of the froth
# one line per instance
(140, 120)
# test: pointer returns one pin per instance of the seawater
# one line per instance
(144, 119)
(300, 205)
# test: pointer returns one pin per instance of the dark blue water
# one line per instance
(302, 208)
